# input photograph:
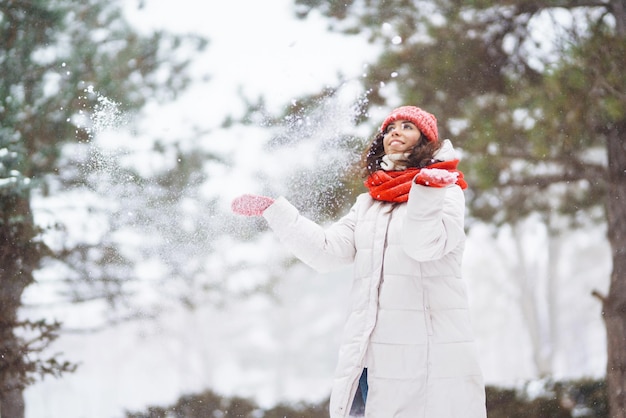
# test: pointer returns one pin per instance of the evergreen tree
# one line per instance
(533, 91)
(50, 53)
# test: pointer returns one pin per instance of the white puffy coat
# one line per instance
(409, 321)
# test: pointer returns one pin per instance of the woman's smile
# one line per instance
(400, 136)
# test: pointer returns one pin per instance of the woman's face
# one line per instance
(400, 136)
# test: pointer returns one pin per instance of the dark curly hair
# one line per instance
(421, 155)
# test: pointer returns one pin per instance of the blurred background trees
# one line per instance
(51, 56)
(582, 398)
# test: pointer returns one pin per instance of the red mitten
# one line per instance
(436, 177)
(251, 205)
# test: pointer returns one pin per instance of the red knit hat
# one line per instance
(425, 122)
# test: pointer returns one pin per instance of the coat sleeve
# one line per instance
(434, 223)
(323, 249)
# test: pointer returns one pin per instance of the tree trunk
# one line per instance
(18, 257)
(12, 404)
(555, 244)
(531, 305)
(12, 368)
(614, 305)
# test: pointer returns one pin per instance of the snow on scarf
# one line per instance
(394, 186)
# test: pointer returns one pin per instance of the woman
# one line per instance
(407, 349)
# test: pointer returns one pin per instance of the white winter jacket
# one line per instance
(409, 321)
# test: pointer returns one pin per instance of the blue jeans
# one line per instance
(358, 404)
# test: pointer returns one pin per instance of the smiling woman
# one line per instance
(408, 137)
(400, 136)
(407, 348)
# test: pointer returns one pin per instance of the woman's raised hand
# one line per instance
(251, 205)
(436, 177)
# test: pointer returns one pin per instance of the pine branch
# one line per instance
(596, 294)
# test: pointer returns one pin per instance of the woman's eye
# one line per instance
(407, 126)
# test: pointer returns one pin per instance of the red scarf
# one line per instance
(394, 186)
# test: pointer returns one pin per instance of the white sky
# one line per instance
(257, 46)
